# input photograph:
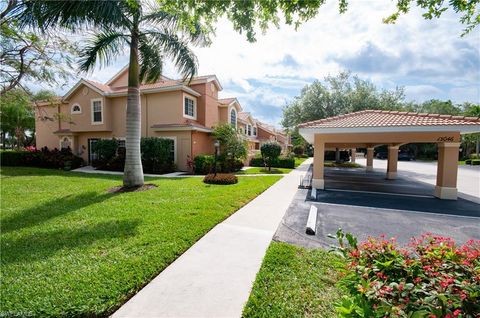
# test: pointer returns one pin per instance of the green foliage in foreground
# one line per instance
(294, 282)
(70, 248)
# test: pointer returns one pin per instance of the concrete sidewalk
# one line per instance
(214, 277)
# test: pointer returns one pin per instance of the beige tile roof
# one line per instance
(244, 115)
(380, 118)
(226, 101)
(121, 89)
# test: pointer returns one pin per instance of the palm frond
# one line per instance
(195, 33)
(104, 47)
(177, 49)
(151, 60)
(71, 14)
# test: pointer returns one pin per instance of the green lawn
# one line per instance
(298, 161)
(261, 170)
(294, 282)
(69, 248)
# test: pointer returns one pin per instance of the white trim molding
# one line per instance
(91, 111)
(230, 116)
(194, 100)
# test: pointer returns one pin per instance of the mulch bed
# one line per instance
(122, 189)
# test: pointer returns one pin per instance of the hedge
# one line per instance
(279, 163)
(203, 164)
(44, 158)
(473, 162)
(156, 155)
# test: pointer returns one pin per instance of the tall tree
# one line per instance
(28, 56)
(338, 95)
(17, 117)
(248, 16)
(436, 106)
(150, 34)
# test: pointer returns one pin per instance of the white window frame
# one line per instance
(230, 116)
(249, 130)
(73, 112)
(254, 130)
(102, 110)
(174, 138)
(194, 117)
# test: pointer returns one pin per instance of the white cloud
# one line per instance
(421, 93)
(428, 56)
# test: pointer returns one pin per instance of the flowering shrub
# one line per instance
(220, 178)
(432, 277)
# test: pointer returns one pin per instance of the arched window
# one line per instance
(233, 117)
(76, 109)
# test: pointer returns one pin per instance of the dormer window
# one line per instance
(233, 117)
(76, 109)
(189, 108)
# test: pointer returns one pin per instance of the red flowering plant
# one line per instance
(431, 277)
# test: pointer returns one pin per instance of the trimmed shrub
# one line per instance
(228, 165)
(203, 164)
(474, 156)
(270, 153)
(44, 158)
(105, 149)
(157, 155)
(285, 163)
(279, 163)
(299, 150)
(12, 158)
(220, 178)
(431, 277)
(257, 162)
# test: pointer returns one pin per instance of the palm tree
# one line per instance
(151, 36)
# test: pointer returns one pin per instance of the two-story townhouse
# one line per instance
(185, 113)
(248, 126)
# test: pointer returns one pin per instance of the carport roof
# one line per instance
(380, 118)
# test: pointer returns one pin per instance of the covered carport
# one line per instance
(372, 128)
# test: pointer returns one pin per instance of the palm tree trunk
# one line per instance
(133, 173)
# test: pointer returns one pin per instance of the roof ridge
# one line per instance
(392, 112)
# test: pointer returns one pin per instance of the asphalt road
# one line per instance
(366, 204)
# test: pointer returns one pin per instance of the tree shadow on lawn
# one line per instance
(40, 246)
(39, 214)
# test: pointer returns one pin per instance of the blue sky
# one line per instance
(427, 57)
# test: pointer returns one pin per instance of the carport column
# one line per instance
(353, 155)
(318, 163)
(447, 168)
(370, 159)
(392, 162)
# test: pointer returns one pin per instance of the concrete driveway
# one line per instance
(366, 204)
(468, 180)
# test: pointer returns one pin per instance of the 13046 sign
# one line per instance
(443, 139)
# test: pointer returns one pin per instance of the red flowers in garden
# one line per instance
(431, 277)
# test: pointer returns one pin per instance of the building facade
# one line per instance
(185, 113)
